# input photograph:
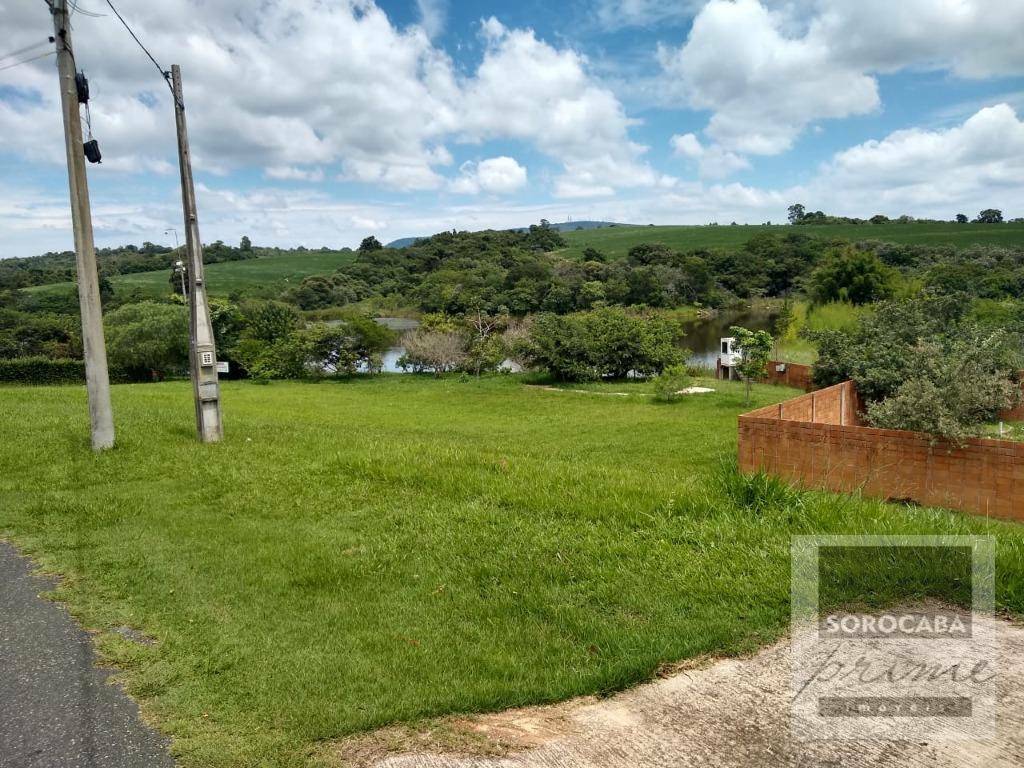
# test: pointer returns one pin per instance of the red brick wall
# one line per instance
(795, 375)
(833, 452)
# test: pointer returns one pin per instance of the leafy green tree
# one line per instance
(953, 387)
(245, 244)
(604, 343)
(370, 244)
(990, 216)
(755, 348)
(670, 382)
(961, 218)
(851, 275)
(924, 364)
(796, 213)
(148, 340)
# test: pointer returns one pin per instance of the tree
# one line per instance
(755, 348)
(604, 343)
(369, 244)
(148, 340)
(852, 275)
(990, 216)
(796, 213)
(923, 364)
(961, 218)
(952, 388)
(438, 351)
(245, 244)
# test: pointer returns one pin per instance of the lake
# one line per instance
(701, 336)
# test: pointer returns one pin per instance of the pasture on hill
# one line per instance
(264, 276)
(615, 242)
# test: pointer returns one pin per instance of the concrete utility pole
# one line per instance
(203, 354)
(97, 378)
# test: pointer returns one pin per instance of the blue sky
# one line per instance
(406, 117)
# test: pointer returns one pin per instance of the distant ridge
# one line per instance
(564, 226)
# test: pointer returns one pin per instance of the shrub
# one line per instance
(848, 274)
(604, 343)
(148, 340)
(922, 365)
(669, 382)
(438, 351)
(42, 370)
(755, 348)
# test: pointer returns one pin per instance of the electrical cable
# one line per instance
(26, 49)
(163, 72)
(26, 61)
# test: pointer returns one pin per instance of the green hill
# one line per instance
(616, 241)
(264, 276)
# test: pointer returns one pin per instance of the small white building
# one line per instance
(728, 359)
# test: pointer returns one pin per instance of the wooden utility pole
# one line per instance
(97, 378)
(202, 351)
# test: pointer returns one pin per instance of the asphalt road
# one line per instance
(57, 709)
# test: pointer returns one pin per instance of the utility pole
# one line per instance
(97, 378)
(202, 352)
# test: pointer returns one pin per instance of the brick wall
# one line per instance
(816, 441)
(795, 375)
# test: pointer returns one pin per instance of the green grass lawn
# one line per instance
(267, 275)
(615, 242)
(383, 550)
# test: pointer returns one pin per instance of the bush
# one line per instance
(850, 275)
(148, 341)
(922, 365)
(437, 351)
(669, 382)
(42, 370)
(604, 343)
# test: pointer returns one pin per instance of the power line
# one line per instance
(26, 61)
(163, 72)
(26, 49)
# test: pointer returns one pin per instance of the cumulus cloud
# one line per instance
(526, 89)
(616, 14)
(494, 176)
(768, 69)
(302, 89)
(974, 165)
(713, 161)
(433, 15)
(293, 173)
(761, 86)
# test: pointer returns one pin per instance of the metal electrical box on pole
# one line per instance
(97, 378)
(202, 350)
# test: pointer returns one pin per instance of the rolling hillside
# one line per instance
(266, 276)
(615, 242)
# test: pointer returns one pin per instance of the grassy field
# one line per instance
(615, 242)
(268, 275)
(374, 551)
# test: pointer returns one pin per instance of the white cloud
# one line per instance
(526, 89)
(616, 14)
(433, 15)
(762, 87)
(293, 173)
(494, 176)
(713, 161)
(975, 165)
(767, 70)
(302, 89)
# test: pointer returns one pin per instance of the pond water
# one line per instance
(701, 336)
